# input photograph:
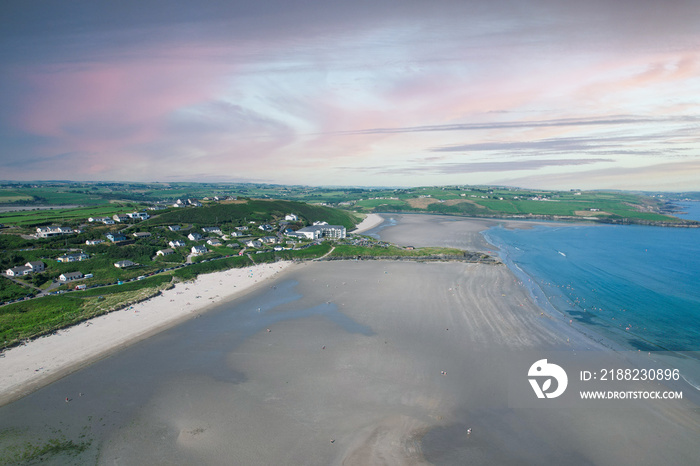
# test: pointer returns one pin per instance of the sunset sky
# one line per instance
(545, 93)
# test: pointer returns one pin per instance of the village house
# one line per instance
(26, 269)
(93, 242)
(138, 215)
(73, 257)
(291, 218)
(265, 227)
(37, 266)
(164, 252)
(70, 276)
(142, 234)
(174, 228)
(243, 228)
(212, 230)
(194, 236)
(18, 271)
(213, 242)
(116, 237)
(199, 249)
(120, 218)
(253, 244)
(124, 264)
(176, 244)
(48, 232)
(268, 239)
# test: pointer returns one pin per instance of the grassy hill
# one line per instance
(243, 211)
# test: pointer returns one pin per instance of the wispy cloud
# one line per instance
(475, 167)
(563, 122)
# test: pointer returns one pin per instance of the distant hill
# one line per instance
(239, 212)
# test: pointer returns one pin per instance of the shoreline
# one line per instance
(26, 368)
(369, 222)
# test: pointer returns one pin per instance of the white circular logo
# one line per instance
(541, 374)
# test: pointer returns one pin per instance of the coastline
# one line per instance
(369, 222)
(26, 368)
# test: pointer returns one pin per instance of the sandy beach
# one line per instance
(350, 363)
(369, 222)
(41, 361)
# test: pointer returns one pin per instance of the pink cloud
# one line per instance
(100, 107)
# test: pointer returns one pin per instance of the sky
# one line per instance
(552, 94)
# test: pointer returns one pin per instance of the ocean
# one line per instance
(689, 210)
(636, 287)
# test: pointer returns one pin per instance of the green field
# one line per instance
(8, 196)
(64, 216)
(485, 201)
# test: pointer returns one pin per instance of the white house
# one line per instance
(194, 236)
(212, 230)
(176, 244)
(92, 242)
(142, 234)
(70, 276)
(199, 249)
(253, 243)
(120, 218)
(164, 252)
(213, 242)
(174, 228)
(291, 218)
(48, 232)
(18, 271)
(138, 215)
(268, 239)
(309, 232)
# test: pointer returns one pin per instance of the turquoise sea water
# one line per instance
(636, 286)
